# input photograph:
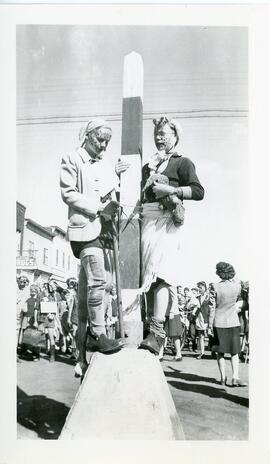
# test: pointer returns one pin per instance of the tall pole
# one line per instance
(130, 185)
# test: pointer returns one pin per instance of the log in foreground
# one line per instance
(123, 396)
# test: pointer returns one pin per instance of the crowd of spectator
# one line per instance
(54, 331)
(191, 328)
(52, 327)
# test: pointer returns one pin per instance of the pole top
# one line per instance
(133, 75)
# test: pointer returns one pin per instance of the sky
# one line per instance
(198, 75)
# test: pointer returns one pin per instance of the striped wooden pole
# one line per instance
(130, 185)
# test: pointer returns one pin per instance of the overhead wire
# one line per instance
(185, 114)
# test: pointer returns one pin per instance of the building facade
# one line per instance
(43, 253)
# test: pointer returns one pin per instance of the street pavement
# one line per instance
(207, 410)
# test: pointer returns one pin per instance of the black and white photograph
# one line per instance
(149, 123)
(133, 232)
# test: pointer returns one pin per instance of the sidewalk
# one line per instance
(207, 411)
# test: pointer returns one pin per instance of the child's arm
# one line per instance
(70, 304)
(36, 311)
(35, 318)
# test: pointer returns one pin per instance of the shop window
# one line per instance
(45, 256)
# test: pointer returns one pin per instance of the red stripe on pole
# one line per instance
(132, 126)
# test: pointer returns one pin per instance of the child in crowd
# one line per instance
(30, 319)
(174, 326)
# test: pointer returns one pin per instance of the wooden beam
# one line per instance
(130, 186)
(123, 396)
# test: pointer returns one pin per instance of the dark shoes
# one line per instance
(36, 353)
(201, 356)
(222, 381)
(103, 344)
(235, 382)
(238, 383)
(80, 369)
(194, 347)
(152, 343)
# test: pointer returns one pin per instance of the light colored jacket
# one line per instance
(83, 183)
(226, 313)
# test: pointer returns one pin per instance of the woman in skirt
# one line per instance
(226, 322)
(174, 326)
(168, 179)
